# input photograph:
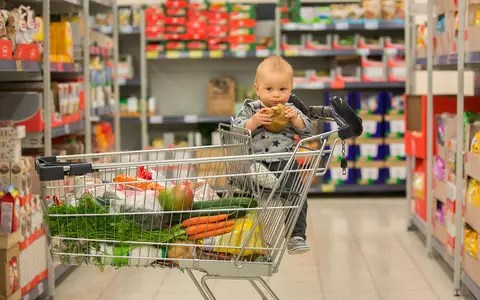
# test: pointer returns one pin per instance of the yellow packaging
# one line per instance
(64, 40)
(39, 29)
(236, 238)
(53, 38)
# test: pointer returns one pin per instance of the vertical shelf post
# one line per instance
(86, 75)
(278, 30)
(47, 104)
(143, 82)
(429, 153)
(410, 160)
(457, 268)
(116, 88)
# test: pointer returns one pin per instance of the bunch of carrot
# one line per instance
(207, 226)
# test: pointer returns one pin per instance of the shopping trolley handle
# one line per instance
(49, 168)
(349, 123)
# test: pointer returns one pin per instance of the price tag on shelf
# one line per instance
(67, 128)
(319, 26)
(391, 51)
(19, 65)
(240, 53)
(190, 119)
(126, 29)
(304, 26)
(328, 188)
(173, 54)
(156, 119)
(216, 54)
(317, 85)
(342, 25)
(263, 53)
(371, 24)
(308, 52)
(195, 54)
(291, 52)
(152, 54)
(122, 81)
(290, 26)
(363, 52)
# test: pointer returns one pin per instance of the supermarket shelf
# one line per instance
(129, 82)
(419, 224)
(68, 129)
(10, 65)
(337, 52)
(471, 286)
(59, 67)
(198, 54)
(471, 58)
(442, 252)
(36, 292)
(188, 119)
(357, 188)
(344, 26)
(349, 85)
(125, 29)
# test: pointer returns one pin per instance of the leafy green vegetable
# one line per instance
(104, 227)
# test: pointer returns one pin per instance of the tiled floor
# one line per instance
(360, 251)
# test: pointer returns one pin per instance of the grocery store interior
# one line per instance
(132, 180)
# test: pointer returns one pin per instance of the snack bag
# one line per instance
(472, 195)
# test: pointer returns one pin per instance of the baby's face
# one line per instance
(273, 88)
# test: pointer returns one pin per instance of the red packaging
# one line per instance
(153, 16)
(250, 23)
(9, 213)
(175, 29)
(242, 39)
(154, 32)
(176, 12)
(27, 52)
(6, 49)
(155, 48)
(175, 4)
(220, 46)
(218, 28)
(220, 22)
(197, 36)
(196, 45)
(218, 15)
(175, 21)
(175, 36)
(217, 34)
(213, 41)
(218, 7)
(197, 6)
(197, 25)
(175, 45)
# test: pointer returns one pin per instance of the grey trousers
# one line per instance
(300, 228)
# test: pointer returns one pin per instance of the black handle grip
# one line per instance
(49, 168)
(349, 123)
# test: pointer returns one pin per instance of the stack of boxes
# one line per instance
(378, 155)
(218, 21)
(242, 27)
(23, 251)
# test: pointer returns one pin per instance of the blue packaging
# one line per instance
(395, 150)
(373, 127)
(337, 152)
(367, 103)
(335, 176)
(347, 96)
(394, 126)
(369, 150)
(396, 173)
(371, 175)
(394, 104)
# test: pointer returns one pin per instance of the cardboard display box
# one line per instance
(439, 227)
(9, 250)
(471, 266)
(221, 97)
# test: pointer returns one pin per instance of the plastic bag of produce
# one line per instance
(238, 236)
(202, 191)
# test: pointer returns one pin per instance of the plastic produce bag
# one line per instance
(202, 191)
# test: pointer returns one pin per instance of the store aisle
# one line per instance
(361, 251)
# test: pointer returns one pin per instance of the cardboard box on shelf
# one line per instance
(439, 226)
(472, 143)
(394, 149)
(471, 267)
(221, 97)
(373, 172)
(394, 126)
(335, 176)
(396, 172)
(446, 130)
(440, 190)
(9, 265)
(369, 150)
(372, 126)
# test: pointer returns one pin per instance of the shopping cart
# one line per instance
(220, 210)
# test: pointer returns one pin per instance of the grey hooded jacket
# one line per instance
(265, 141)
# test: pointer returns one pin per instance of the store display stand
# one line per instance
(433, 245)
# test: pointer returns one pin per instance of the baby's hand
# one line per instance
(261, 118)
(290, 113)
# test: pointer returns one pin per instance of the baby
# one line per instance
(273, 84)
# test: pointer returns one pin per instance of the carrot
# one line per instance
(210, 233)
(194, 229)
(203, 220)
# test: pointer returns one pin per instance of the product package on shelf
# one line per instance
(396, 172)
(335, 176)
(221, 97)
(10, 266)
(370, 172)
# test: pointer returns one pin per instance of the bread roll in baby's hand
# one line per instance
(278, 119)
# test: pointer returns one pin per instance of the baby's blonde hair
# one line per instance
(275, 63)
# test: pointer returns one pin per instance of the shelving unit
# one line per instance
(453, 62)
